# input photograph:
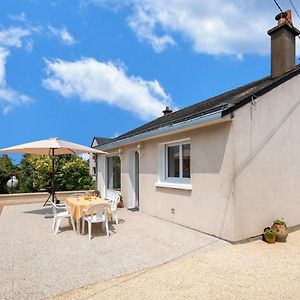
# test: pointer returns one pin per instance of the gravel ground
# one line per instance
(255, 270)
(35, 263)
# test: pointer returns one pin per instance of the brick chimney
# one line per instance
(167, 111)
(283, 44)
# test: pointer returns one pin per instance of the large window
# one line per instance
(113, 172)
(178, 161)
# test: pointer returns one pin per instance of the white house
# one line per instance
(227, 166)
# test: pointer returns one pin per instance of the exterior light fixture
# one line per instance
(120, 152)
(139, 148)
(12, 182)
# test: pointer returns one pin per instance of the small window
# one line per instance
(178, 159)
(113, 172)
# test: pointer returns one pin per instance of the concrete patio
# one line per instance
(36, 263)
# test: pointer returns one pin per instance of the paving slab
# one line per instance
(36, 263)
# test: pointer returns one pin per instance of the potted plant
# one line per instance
(120, 203)
(269, 235)
(281, 229)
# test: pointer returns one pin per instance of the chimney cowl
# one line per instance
(284, 17)
(167, 111)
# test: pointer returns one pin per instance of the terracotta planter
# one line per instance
(282, 232)
(270, 239)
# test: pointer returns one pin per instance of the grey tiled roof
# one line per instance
(226, 103)
(101, 140)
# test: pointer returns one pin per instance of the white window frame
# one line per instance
(163, 179)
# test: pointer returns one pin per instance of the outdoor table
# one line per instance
(78, 204)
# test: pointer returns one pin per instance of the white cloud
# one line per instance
(21, 37)
(144, 27)
(9, 38)
(9, 98)
(217, 27)
(20, 17)
(13, 36)
(3, 55)
(29, 45)
(63, 34)
(97, 81)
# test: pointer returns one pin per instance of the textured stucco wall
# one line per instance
(208, 207)
(267, 160)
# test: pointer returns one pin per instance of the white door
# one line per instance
(133, 186)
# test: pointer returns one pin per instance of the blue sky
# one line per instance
(82, 68)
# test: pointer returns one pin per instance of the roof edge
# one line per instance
(261, 92)
(164, 130)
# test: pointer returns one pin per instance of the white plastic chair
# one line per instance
(113, 207)
(58, 216)
(95, 214)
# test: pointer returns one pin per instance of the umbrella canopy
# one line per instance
(52, 146)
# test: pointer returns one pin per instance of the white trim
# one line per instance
(161, 160)
(182, 141)
(180, 145)
(101, 175)
(113, 154)
(162, 166)
(106, 171)
(173, 185)
(185, 125)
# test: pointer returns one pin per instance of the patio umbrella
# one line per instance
(52, 147)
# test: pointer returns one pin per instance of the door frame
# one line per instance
(133, 186)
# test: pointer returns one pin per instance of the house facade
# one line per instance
(93, 158)
(227, 166)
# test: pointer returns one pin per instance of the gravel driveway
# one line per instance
(36, 263)
(254, 270)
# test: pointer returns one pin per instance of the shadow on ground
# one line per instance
(41, 211)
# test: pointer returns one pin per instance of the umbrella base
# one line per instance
(50, 199)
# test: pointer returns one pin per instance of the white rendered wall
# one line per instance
(267, 160)
(208, 207)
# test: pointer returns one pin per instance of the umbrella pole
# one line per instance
(52, 178)
(52, 186)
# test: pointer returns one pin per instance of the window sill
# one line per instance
(172, 185)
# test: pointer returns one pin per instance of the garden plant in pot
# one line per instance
(281, 229)
(269, 235)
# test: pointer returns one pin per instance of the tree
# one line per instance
(71, 172)
(3, 181)
(7, 169)
(35, 173)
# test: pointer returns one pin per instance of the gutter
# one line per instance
(164, 130)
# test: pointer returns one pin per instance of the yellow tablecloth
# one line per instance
(78, 204)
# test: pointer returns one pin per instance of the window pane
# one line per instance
(173, 161)
(109, 172)
(116, 173)
(186, 160)
(113, 172)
